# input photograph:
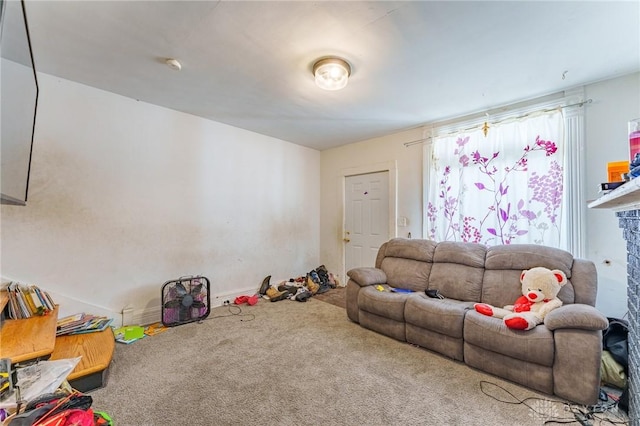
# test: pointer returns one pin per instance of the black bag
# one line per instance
(615, 340)
(623, 402)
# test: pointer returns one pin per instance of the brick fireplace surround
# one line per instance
(630, 223)
(625, 201)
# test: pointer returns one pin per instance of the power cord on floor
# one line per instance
(234, 311)
(546, 410)
(586, 414)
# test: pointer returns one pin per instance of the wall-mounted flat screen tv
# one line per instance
(18, 102)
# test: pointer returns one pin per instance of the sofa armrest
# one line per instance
(576, 315)
(367, 276)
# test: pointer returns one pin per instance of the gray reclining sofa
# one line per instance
(559, 357)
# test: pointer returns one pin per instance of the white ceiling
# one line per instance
(248, 64)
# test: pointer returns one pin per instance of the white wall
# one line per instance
(125, 196)
(405, 179)
(615, 102)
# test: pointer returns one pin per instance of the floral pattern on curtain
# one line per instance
(502, 188)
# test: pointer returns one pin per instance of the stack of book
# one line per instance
(26, 301)
(606, 187)
(82, 323)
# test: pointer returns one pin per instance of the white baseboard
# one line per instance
(150, 315)
(219, 299)
(71, 306)
(154, 314)
(143, 316)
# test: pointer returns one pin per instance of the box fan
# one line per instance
(185, 300)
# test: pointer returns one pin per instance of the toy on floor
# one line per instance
(540, 288)
(249, 300)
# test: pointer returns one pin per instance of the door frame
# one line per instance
(388, 166)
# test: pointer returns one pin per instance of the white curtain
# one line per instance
(504, 187)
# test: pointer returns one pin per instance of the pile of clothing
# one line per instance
(301, 288)
(61, 408)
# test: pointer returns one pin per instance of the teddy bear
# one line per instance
(540, 288)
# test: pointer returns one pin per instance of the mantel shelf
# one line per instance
(625, 197)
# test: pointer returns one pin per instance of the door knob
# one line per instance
(346, 240)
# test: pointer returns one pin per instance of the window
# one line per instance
(507, 182)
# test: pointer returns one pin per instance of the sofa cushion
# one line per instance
(504, 264)
(501, 287)
(456, 281)
(535, 345)
(458, 270)
(470, 254)
(527, 256)
(406, 273)
(421, 250)
(444, 316)
(383, 303)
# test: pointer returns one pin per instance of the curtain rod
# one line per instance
(578, 104)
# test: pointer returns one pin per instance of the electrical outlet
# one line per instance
(226, 303)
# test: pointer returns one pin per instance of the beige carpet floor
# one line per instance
(292, 363)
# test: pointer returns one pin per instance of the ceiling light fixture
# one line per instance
(331, 73)
(174, 64)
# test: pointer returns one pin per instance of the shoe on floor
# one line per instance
(312, 285)
(303, 295)
(265, 285)
(290, 288)
(274, 295)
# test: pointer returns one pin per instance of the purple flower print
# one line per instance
(462, 141)
(547, 189)
(549, 147)
(432, 211)
(507, 221)
(470, 233)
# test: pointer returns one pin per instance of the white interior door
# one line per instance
(366, 218)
